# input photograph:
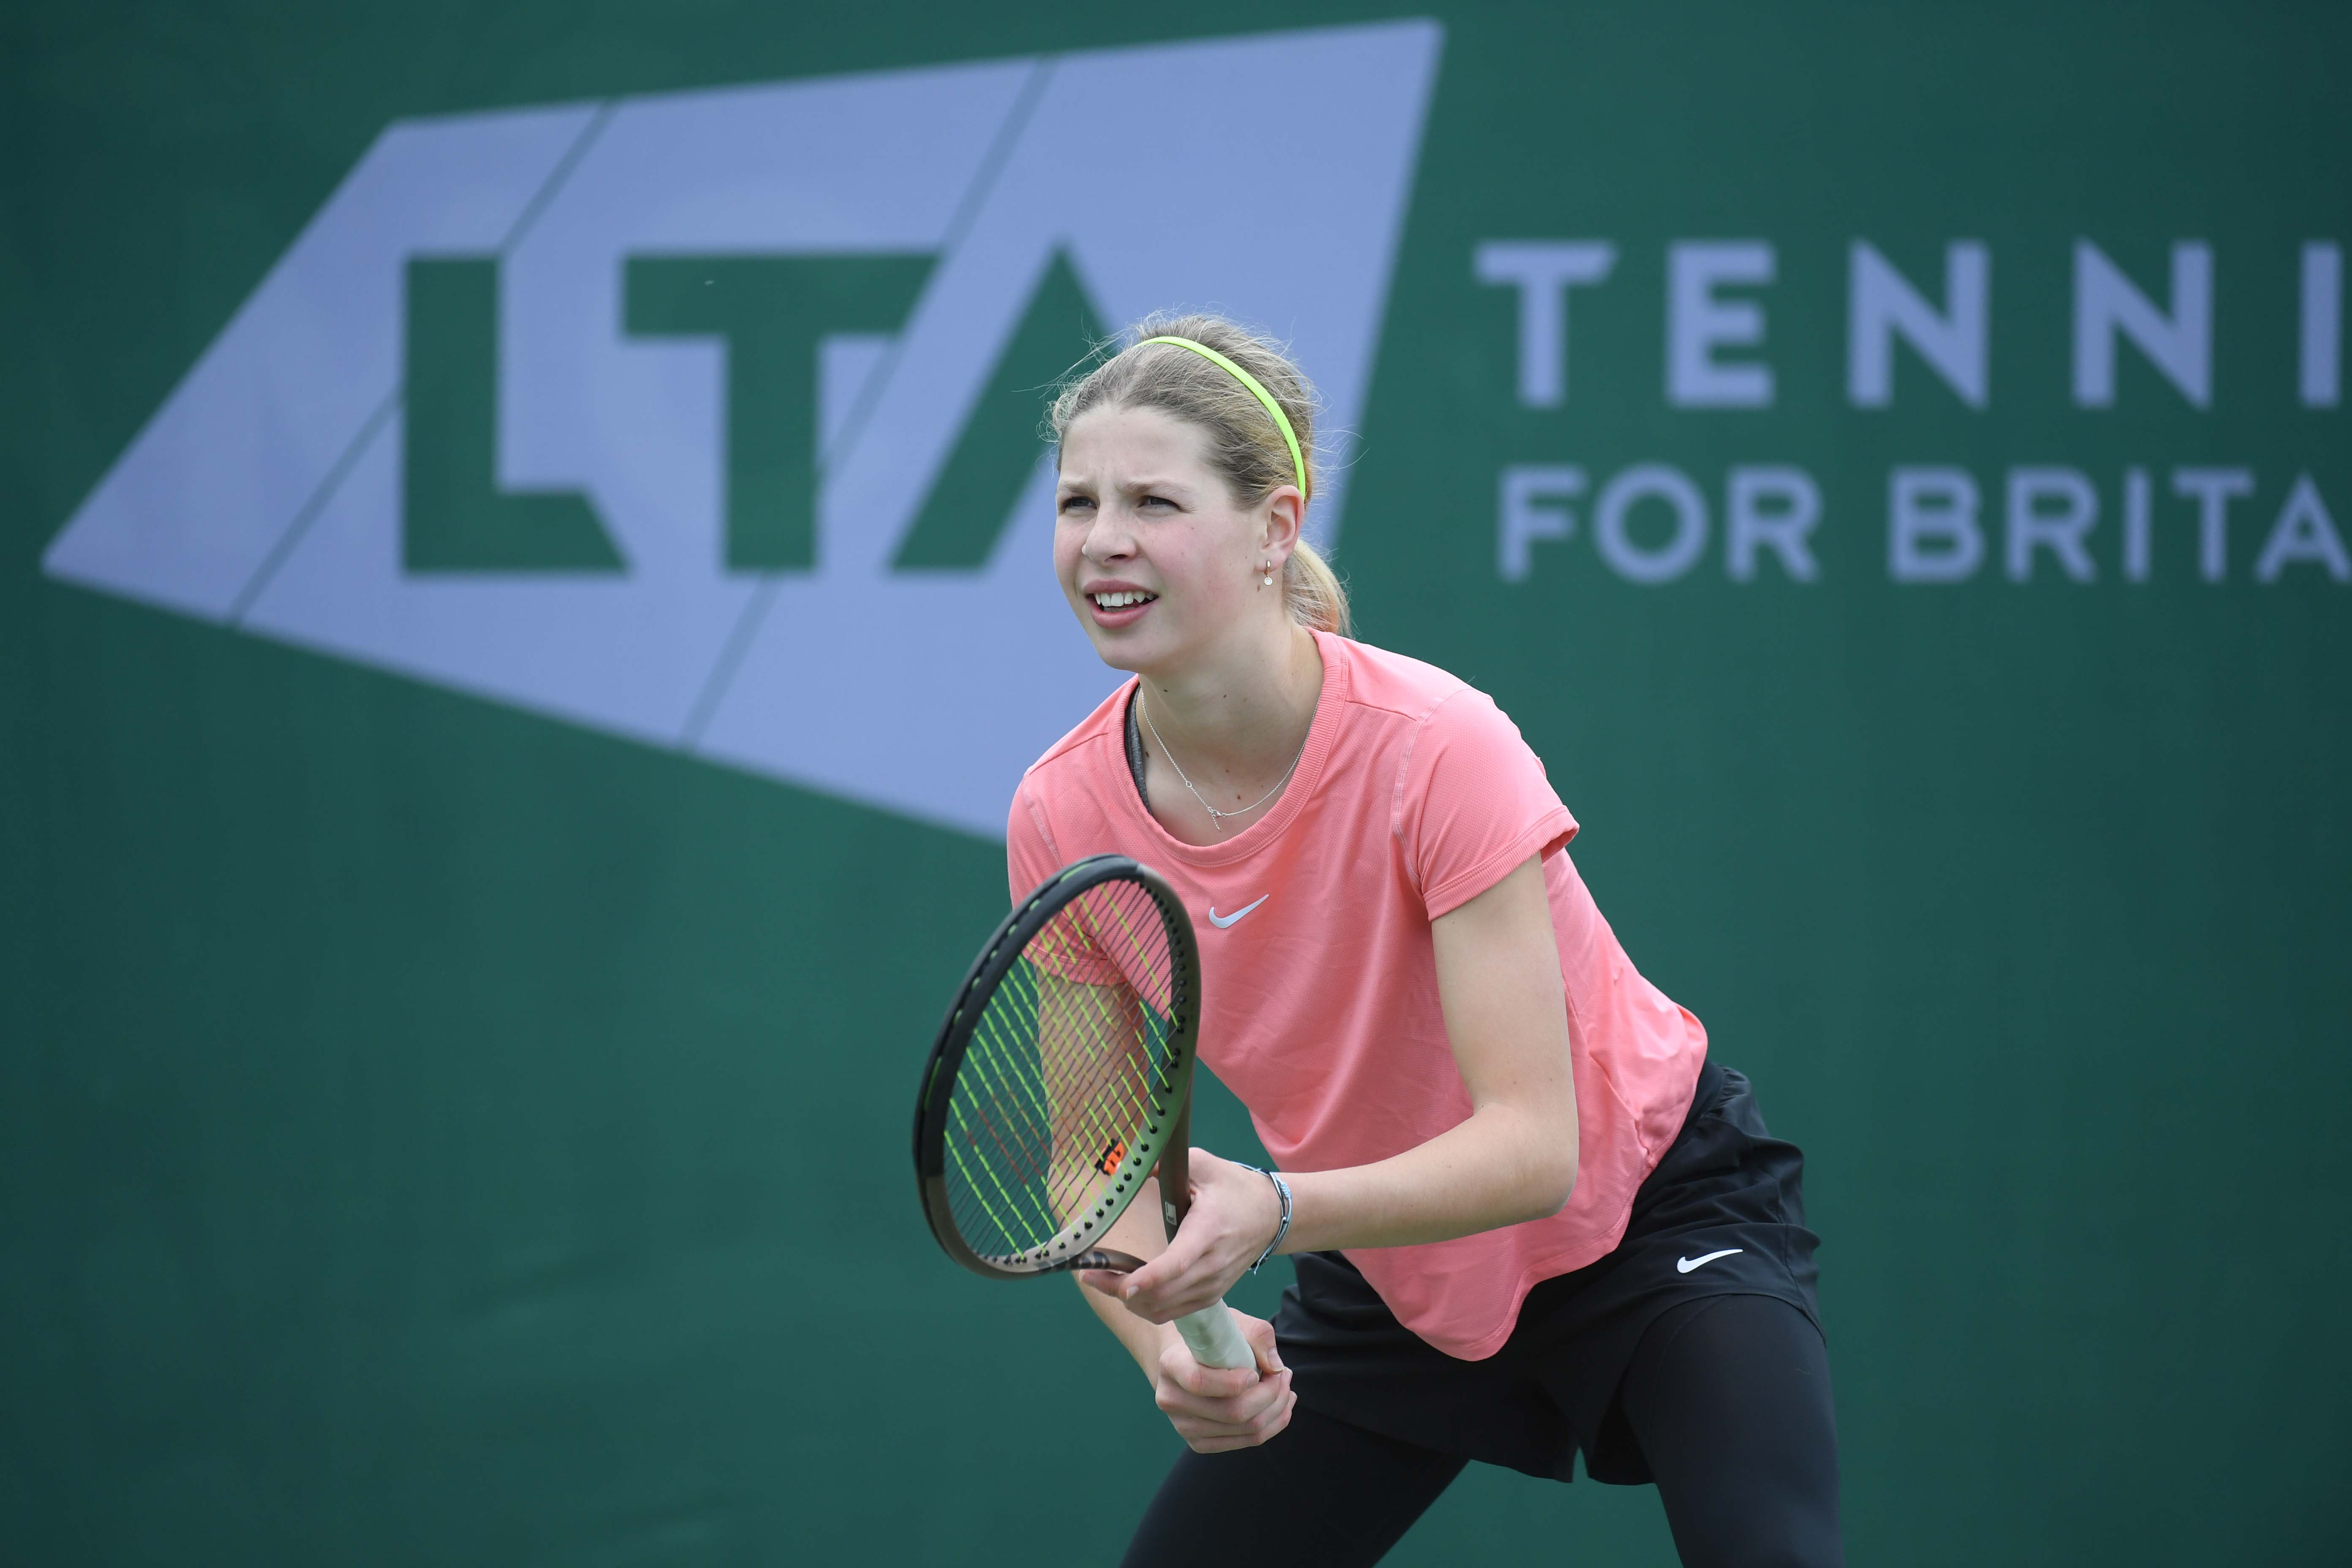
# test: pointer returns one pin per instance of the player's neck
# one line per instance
(1240, 715)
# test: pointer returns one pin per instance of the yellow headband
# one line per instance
(1281, 420)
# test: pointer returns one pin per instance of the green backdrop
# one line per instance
(433, 1134)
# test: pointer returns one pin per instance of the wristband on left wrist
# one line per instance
(1281, 1191)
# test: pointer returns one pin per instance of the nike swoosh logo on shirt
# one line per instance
(1222, 922)
(1685, 1264)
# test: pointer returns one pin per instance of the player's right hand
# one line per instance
(1216, 1409)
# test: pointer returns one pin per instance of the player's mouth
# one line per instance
(1120, 606)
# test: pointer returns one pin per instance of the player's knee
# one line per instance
(1785, 1532)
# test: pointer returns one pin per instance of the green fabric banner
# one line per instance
(524, 537)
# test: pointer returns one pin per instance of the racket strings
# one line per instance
(1069, 1065)
(1110, 1068)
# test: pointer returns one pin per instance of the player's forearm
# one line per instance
(1140, 1233)
(1506, 1164)
(1142, 1340)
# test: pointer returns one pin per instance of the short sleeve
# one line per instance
(1473, 802)
(1068, 946)
(1029, 853)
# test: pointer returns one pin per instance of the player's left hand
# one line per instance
(1235, 1213)
(1216, 1409)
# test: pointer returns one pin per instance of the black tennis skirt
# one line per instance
(1722, 1214)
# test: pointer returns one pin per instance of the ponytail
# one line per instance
(1313, 593)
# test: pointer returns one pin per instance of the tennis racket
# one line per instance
(1062, 1075)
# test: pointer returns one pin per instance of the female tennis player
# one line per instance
(1530, 1217)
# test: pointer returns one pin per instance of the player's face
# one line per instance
(1157, 559)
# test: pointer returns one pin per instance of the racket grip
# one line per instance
(1215, 1339)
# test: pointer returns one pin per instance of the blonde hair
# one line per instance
(1245, 446)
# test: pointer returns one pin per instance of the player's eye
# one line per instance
(1074, 503)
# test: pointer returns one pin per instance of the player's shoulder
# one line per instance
(1067, 758)
(1398, 685)
(1422, 712)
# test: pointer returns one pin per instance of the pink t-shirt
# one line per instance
(1319, 981)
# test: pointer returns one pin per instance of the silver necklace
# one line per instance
(1216, 817)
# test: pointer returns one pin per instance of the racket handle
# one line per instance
(1215, 1339)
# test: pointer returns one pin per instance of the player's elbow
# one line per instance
(1534, 1164)
(1550, 1178)
(1557, 1185)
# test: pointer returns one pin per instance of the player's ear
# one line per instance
(1284, 514)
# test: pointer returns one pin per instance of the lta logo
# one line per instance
(710, 418)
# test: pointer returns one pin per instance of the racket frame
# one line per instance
(1075, 1245)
